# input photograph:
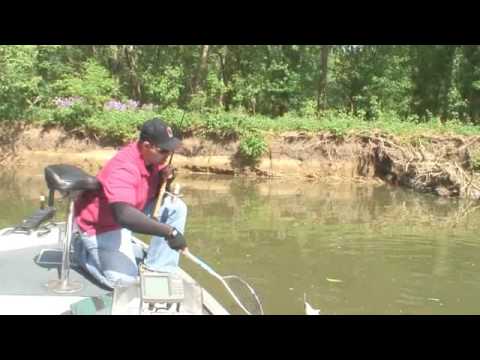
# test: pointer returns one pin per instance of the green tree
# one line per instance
(469, 79)
(19, 82)
(432, 69)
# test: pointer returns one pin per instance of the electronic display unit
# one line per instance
(159, 287)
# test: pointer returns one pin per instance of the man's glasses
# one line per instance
(162, 151)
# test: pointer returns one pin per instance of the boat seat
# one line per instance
(66, 178)
(70, 181)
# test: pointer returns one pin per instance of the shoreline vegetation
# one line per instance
(442, 159)
(408, 115)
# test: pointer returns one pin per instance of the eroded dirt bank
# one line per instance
(441, 165)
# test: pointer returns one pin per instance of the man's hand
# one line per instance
(176, 241)
(168, 174)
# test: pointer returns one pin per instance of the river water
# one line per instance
(350, 248)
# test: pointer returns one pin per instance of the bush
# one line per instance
(74, 116)
(118, 125)
(179, 120)
(19, 83)
(164, 89)
(226, 125)
(198, 102)
(252, 147)
(308, 108)
(95, 85)
(80, 98)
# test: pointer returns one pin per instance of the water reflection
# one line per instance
(393, 250)
(352, 248)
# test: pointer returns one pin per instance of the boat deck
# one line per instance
(23, 281)
(21, 275)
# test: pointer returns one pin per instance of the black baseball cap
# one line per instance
(159, 133)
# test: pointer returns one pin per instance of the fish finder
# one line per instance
(160, 287)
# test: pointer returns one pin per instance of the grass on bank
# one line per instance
(250, 130)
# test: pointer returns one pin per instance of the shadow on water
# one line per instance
(352, 248)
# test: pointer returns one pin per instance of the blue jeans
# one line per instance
(111, 257)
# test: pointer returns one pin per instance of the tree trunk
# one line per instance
(199, 78)
(131, 58)
(113, 60)
(468, 76)
(322, 81)
(225, 68)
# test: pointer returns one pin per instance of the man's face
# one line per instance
(160, 155)
(155, 155)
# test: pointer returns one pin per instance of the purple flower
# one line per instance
(115, 105)
(66, 102)
(119, 106)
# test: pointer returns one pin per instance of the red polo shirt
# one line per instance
(124, 178)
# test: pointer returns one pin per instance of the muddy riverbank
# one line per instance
(444, 165)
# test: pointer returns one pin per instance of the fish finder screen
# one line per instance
(156, 287)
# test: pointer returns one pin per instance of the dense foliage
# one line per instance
(234, 91)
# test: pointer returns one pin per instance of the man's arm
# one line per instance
(135, 220)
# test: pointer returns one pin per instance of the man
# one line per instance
(129, 186)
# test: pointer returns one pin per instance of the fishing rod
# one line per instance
(228, 281)
(254, 305)
(158, 205)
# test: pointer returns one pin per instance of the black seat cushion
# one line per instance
(64, 177)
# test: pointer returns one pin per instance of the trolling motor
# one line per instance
(35, 221)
